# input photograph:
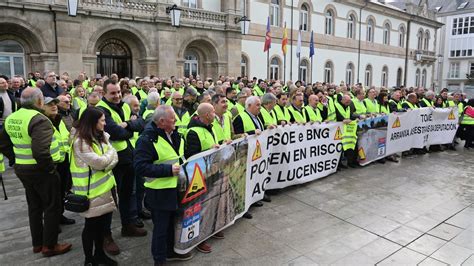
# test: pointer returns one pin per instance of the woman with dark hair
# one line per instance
(124, 85)
(92, 161)
(382, 99)
(467, 124)
(438, 102)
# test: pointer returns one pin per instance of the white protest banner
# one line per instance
(420, 127)
(291, 155)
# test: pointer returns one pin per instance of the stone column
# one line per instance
(69, 44)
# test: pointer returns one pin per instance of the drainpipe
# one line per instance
(360, 34)
(55, 30)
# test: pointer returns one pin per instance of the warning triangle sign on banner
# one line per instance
(257, 154)
(451, 116)
(362, 154)
(197, 186)
(396, 123)
(338, 135)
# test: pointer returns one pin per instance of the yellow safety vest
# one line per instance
(16, 126)
(269, 118)
(360, 108)
(282, 113)
(166, 155)
(314, 115)
(297, 115)
(119, 145)
(206, 138)
(60, 143)
(100, 182)
(372, 106)
(182, 123)
(248, 122)
(427, 102)
(331, 110)
(222, 133)
(349, 138)
(467, 120)
(2, 164)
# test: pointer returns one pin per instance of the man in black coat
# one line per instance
(50, 88)
(163, 202)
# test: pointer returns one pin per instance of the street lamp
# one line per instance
(244, 24)
(72, 7)
(418, 55)
(175, 13)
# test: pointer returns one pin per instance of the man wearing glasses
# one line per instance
(182, 115)
(50, 88)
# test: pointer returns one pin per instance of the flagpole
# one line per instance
(284, 61)
(291, 43)
(268, 61)
(311, 75)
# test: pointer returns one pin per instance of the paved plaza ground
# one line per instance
(418, 211)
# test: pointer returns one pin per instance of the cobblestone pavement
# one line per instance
(418, 211)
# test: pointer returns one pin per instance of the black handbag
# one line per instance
(78, 203)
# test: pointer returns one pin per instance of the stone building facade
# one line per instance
(371, 42)
(132, 38)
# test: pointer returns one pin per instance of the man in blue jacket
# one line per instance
(158, 154)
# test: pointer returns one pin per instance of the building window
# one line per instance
(328, 70)
(274, 69)
(401, 37)
(370, 30)
(303, 75)
(329, 23)
(191, 64)
(385, 76)
(304, 26)
(275, 13)
(399, 77)
(453, 70)
(190, 3)
(368, 76)
(464, 25)
(471, 69)
(417, 78)
(12, 58)
(386, 34)
(351, 24)
(350, 74)
(423, 78)
(461, 53)
(419, 36)
(243, 66)
(426, 41)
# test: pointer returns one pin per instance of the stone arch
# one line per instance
(353, 13)
(25, 34)
(247, 57)
(280, 65)
(131, 37)
(332, 8)
(207, 51)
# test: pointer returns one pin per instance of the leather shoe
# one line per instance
(257, 204)
(248, 215)
(204, 247)
(145, 214)
(219, 235)
(132, 230)
(104, 260)
(139, 223)
(110, 246)
(58, 249)
(67, 221)
(266, 198)
(37, 249)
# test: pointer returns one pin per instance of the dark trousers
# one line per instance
(140, 193)
(125, 178)
(43, 195)
(469, 136)
(65, 176)
(93, 235)
(163, 229)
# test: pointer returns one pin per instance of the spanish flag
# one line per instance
(284, 42)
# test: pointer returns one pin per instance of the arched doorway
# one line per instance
(114, 56)
(200, 58)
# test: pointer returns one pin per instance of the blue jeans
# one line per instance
(163, 229)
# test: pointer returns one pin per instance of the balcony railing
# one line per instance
(151, 10)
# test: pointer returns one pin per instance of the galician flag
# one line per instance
(268, 37)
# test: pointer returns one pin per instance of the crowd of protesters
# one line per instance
(121, 142)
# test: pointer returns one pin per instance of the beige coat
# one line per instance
(85, 157)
